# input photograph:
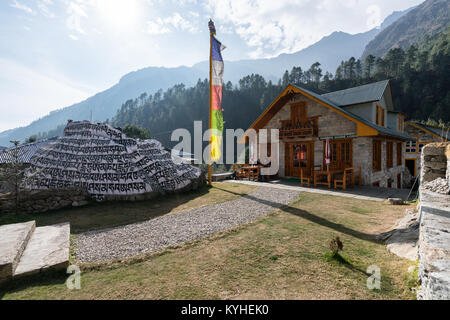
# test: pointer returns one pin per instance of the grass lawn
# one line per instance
(111, 214)
(283, 255)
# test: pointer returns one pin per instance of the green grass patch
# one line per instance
(359, 210)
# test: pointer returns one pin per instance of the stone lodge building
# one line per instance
(361, 123)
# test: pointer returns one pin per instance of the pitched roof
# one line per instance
(443, 133)
(325, 101)
(25, 151)
(366, 93)
(382, 130)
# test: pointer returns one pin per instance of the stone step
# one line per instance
(13, 241)
(48, 248)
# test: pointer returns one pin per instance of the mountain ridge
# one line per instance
(428, 18)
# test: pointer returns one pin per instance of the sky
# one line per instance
(54, 53)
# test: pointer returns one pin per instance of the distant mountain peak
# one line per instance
(428, 18)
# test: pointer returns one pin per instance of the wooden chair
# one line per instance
(347, 179)
(254, 174)
(357, 176)
(305, 177)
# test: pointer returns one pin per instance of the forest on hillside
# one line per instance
(419, 80)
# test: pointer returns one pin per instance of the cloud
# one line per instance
(155, 28)
(22, 7)
(179, 23)
(73, 37)
(76, 11)
(43, 6)
(273, 27)
(169, 24)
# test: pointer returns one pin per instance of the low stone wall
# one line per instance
(434, 238)
(54, 199)
(43, 201)
(447, 154)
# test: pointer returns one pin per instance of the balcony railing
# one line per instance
(309, 128)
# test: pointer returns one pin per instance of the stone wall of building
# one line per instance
(385, 174)
(330, 124)
(434, 238)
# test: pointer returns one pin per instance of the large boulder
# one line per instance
(107, 164)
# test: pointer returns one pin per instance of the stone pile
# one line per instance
(433, 161)
(438, 185)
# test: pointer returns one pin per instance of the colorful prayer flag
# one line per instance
(217, 68)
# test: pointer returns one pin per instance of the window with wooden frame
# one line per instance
(376, 155)
(399, 154)
(411, 146)
(389, 154)
(341, 154)
(299, 112)
(380, 116)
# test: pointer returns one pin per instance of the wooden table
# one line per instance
(328, 173)
(251, 171)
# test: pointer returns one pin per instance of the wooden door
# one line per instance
(298, 155)
(341, 154)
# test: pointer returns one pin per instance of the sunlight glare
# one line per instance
(119, 14)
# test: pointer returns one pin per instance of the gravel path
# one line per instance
(138, 238)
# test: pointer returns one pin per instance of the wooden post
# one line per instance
(210, 105)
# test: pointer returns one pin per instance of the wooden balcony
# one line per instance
(309, 128)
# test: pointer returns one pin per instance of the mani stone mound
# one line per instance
(107, 164)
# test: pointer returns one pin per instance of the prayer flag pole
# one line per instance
(211, 33)
(216, 67)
